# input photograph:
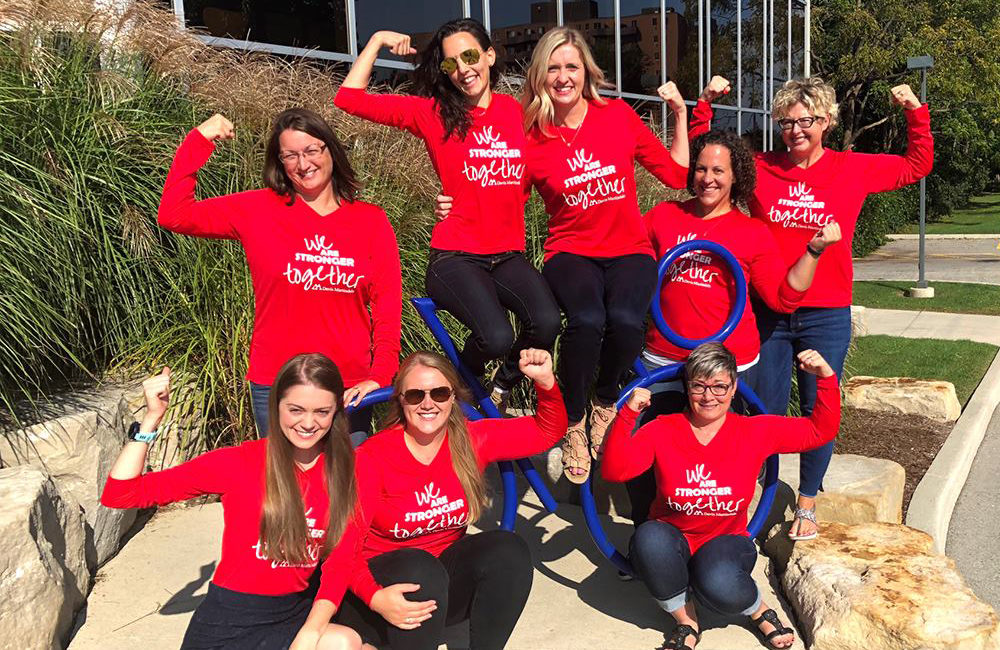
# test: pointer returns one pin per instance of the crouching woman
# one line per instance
(706, 461)
(286, 503)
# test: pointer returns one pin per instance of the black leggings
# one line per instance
(478, 290)
(605, 301)
(484, 577)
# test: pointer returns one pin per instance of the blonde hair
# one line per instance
(815, 94)
(283, 530)
(463, 456)
(538, 109)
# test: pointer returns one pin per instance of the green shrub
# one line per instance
(883, 214)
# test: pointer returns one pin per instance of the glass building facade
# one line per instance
(640, 44)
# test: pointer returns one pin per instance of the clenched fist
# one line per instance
(217, 128)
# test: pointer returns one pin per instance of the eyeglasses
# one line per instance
(415, 396)
(312, 153)
(469, 57)
(788, 123)
(717, 389)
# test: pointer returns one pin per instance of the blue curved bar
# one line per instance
(428, 312)
(377, 396)
(735, 314)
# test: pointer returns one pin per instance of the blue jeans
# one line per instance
(718, 573)
(782, 336)
(260, 394)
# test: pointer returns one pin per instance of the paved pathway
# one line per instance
(933, 325)
(973, 540)
(948, 260)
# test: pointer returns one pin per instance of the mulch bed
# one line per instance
(911, 440)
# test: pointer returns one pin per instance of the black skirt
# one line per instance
(231, 620)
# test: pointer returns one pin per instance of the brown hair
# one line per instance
(283, 531)
(463, 456)
(345, 183)
(708, 360)
(538, 109)
(740, 160)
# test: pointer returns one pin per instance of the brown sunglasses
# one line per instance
(415, 396)
(469, 57)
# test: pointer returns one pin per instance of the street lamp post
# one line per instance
(922, 63)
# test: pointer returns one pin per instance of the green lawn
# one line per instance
(952, 297)
(982, 217)
(963, 363)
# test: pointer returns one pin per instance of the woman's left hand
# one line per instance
(903, 95)
(813, 362)
(357, 392)
(537, 366)
(668, 93)
(829, 234)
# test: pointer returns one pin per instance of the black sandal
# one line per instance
(771, 616)
(681, 632)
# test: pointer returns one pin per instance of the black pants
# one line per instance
(478, 290)
(231, 620)
(484, 577)
(605, 301)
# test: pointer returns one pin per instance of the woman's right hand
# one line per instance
(640, 399)
(442, 206)
(717, 87)
(156, 390)
(391, 604)
(217, 128)
(398, 44)
(813, 362)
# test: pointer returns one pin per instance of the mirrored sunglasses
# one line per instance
(415, 396)
(469, 57)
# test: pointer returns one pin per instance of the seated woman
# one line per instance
(706, 462)
(421, 484)
(286, 502)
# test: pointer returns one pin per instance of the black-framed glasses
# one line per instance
(311, 153)
(787, 124)
(415, 396)
(469, 57)
(719, 390)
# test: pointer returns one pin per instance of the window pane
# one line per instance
(753, 49)
(723, 60)
(312, 24)
(418, 19)
(516, 26)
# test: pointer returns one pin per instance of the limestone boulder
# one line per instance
(932, 399)
(77, 452)
(43, 560)
(879, 586)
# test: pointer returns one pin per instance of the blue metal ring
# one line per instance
(735, 314)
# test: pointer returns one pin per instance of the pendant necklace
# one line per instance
(576, 132)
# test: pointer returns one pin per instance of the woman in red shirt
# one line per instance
(421, 484)
(697, 295)
(706, 462)
(286, 502)
(324, 265)
(798, 192)
(477, 269)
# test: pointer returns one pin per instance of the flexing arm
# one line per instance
(679, 149)
(701, 116)
(783, 291)
(651, 153)
(361, 70)
(626, 455)
(888, 172)
(785, 435)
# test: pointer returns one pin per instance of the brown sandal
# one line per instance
(601, 418)
(575, 452)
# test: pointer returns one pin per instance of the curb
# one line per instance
(934, 499)
(956, 236)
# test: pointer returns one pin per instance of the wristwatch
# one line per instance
(139, 436)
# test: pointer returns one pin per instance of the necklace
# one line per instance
(579, 127)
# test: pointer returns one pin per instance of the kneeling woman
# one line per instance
(706, 462)
(421, 484)
(286, 503)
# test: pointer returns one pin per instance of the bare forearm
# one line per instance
(361, 70)
(132, 458)
(800, 276)
(679, 148)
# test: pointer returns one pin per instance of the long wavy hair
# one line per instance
(538, 109)
(740, 158)
(463, 457)
(429, 81)
(283, 530)
(345, 184)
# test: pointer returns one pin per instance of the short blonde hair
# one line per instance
(815, 94)
(538, 109)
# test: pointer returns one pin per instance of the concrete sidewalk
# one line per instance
(144, 597)
(932, 325)
(947, 260)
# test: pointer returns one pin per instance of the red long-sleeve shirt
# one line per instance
(796, 202)
(586, 177)
(314, 276)
(237, 473)
(705, 490)
(698, 292)
(406, 504)
(483, 173)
